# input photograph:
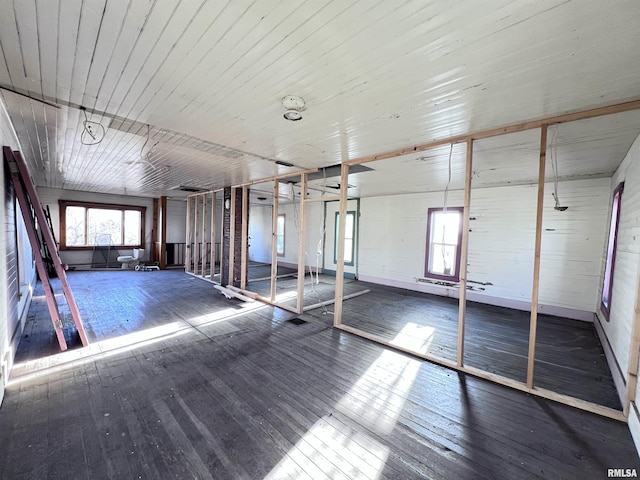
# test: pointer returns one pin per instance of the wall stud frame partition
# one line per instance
(201, 230)
(459, 365)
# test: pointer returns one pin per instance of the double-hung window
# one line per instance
(444, 243)
(610, 261)
(349, 238)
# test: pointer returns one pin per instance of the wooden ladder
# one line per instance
(30, 205)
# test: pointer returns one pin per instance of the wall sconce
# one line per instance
(227, 203)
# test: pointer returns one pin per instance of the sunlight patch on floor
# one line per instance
(41, 367)
(330, 449)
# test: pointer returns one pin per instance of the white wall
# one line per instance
(176, 221)
(618, 329)
(501, 244)
(260, 221)
(15, 296)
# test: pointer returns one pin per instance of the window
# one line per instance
(610, 261)
(280, 234)
(84, 225)
(444, 242)
(349, 236)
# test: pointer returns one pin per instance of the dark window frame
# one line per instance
(63, 204)
(456, 275)
(610, 258)
(353, 239)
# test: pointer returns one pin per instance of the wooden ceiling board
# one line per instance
(376, 76)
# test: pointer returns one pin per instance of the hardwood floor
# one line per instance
(181, 383)
(569, 356)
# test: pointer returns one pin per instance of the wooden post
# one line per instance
(187, 259)
(196, 228)
(301, 242)
(245, 237)
(155, 237)
(203, 248)
(342, 215)
(274, 241)
(533, 325)
(163, 232)
(232, 237)
(213, 234)
(634, 354)
(464, 252)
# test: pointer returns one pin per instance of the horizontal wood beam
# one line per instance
(520, 127)
(278, 177)
(333, 300)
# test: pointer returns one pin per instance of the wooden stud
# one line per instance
(275, 304)
(246, 293)
(329, 302)
(196, 228)
(476, 372)
(342, 215)
(227, 292)
(245, 236)
(634, 355)
(464, 252)
(203, 246)
(213, 234)
(187, 259)
(274, 242)
(530, 125)
(232, 236)
(155, 236)
(301, 243)
(536, 261)
(275, 178)
(163, 232)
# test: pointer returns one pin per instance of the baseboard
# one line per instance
(616, 372)
(453, 292)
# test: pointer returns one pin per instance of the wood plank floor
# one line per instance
(569, 356)
(317, 289)
(181, 383)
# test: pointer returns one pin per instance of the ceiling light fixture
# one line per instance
(292, 115)
(294, 105)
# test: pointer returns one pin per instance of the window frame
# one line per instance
(284, 230)
(63, 204)
(353, 238)
(610, 253)
(456, 275)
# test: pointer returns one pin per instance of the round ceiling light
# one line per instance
(294, 105)
(293, 115)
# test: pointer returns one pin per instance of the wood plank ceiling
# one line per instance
(189, 92)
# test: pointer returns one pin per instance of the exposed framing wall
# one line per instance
(459, 364)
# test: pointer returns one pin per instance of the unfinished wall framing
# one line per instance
(529, 383)
(203, 221)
